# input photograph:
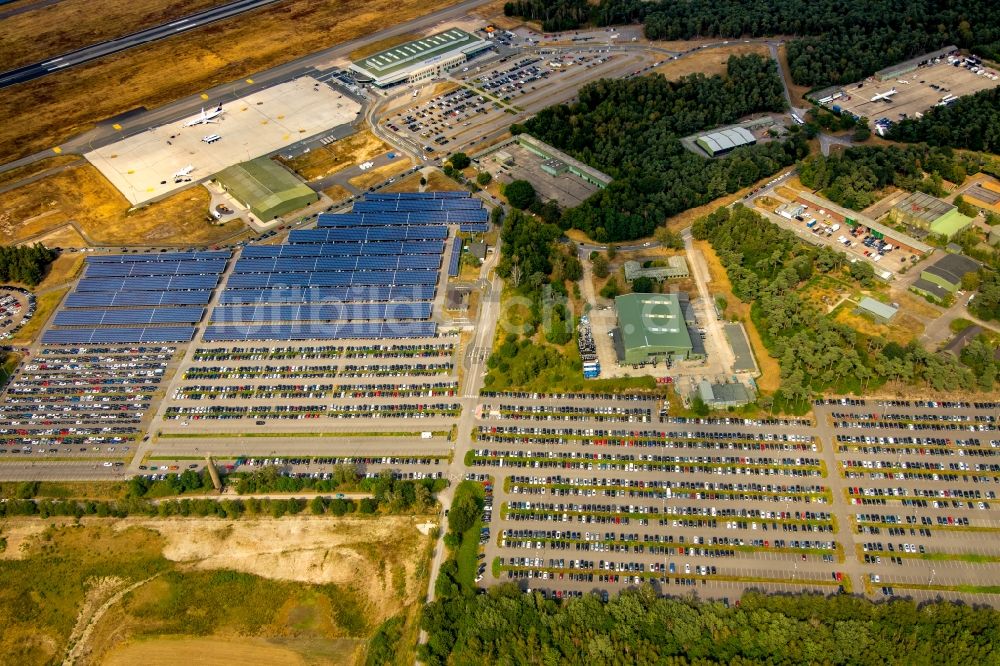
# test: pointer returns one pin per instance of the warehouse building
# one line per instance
(944, 277)
(419, 60)
(724, 141)
(930, 213)
(723, 395)
(266, 188)
(652, 328)
(880, 312)
(557, 162)
(676, 268)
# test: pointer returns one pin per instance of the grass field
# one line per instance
(296, 590)
(83, 195)
(379, 174)
(73, 24)
(707, 61)
(69, 489)
(45, 304)
(337, 192)
(8, 361)
(354, 149)
(158, 73)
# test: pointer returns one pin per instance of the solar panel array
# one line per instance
(370, 273)
(136, 298)
(326, 331)
(456, 255)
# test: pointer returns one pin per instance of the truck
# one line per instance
(835, 227)
(811, 223)
(426, 434)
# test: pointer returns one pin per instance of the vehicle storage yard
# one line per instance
(143, 166)
(587, 492)
(916, 92)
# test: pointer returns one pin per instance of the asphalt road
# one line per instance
(86, 54)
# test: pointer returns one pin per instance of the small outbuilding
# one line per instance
(265, 187)
(880, 312)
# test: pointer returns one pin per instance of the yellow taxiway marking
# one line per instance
(57, 150)
(117, 127)
(249, 80)
(204, 96)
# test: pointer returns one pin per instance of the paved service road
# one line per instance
(84, 55)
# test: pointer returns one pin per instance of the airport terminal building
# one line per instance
(420, 59)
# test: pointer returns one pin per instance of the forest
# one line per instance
(506, 626)
(855, 177)
(768, 266)
(631, 129)
(25, 263)
(987, 302)
(837, 42)
(972, 122)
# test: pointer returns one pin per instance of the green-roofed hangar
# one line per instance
(266, 188)
(652, 328)
(420, 59)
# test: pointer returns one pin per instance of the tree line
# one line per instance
(855, 177)
(768, 267)
(836, 42)
(972, 122)
(631, 129)
(506, 626)
(25, 263)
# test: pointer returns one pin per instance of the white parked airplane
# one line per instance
(887, 95)
(183, 173)
(205, 118)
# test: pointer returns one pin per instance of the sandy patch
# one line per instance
(19, 536)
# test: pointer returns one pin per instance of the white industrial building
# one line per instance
(419, 60)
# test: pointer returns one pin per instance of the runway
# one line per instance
(86, 54)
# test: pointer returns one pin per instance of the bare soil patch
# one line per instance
(353, 149)
(707, 61)
(379, 174)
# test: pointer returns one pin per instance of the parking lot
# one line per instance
(602, 494)
(916, 91)
(17, 306)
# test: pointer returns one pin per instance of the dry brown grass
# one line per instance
(64, 237)
(409, 184)
(153, 75)
(85, 196)
(770, 377)
(64, 269)
(382, 45)
(337, 192)
(767, 203)
(902, 329)
(379, 174)
(786, 192)
(708, 61)
(73, 24)
(323, 161)
(438, 182)
(37, 167)
(797, 93)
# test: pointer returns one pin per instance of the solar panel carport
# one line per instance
(213, 267)
(317, 312)
(356, 293)
(112, 299)
(373, 330)
(348, 263)
(368, 234)
(330, 279)
(342, 249)
(135, 316)
(88, 336)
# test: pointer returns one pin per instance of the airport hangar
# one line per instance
(420, 59)
(266, 188)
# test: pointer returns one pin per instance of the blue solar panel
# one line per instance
(474, 227)
(148, 283)
(456, 255)
(343, 249)
(367, 234)
(94, 299)
(117, 335)
(180, 315)
(349, 263)
(404, 218)
(156, 268)
(360, 293)
(321, 331)
(313, 312)
(444, 194)
(157, 256)
(329, 279)
(415, 204)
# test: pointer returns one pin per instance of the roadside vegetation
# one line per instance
(507, 626)
(834, 42)
(25, 263)
(767, 266)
